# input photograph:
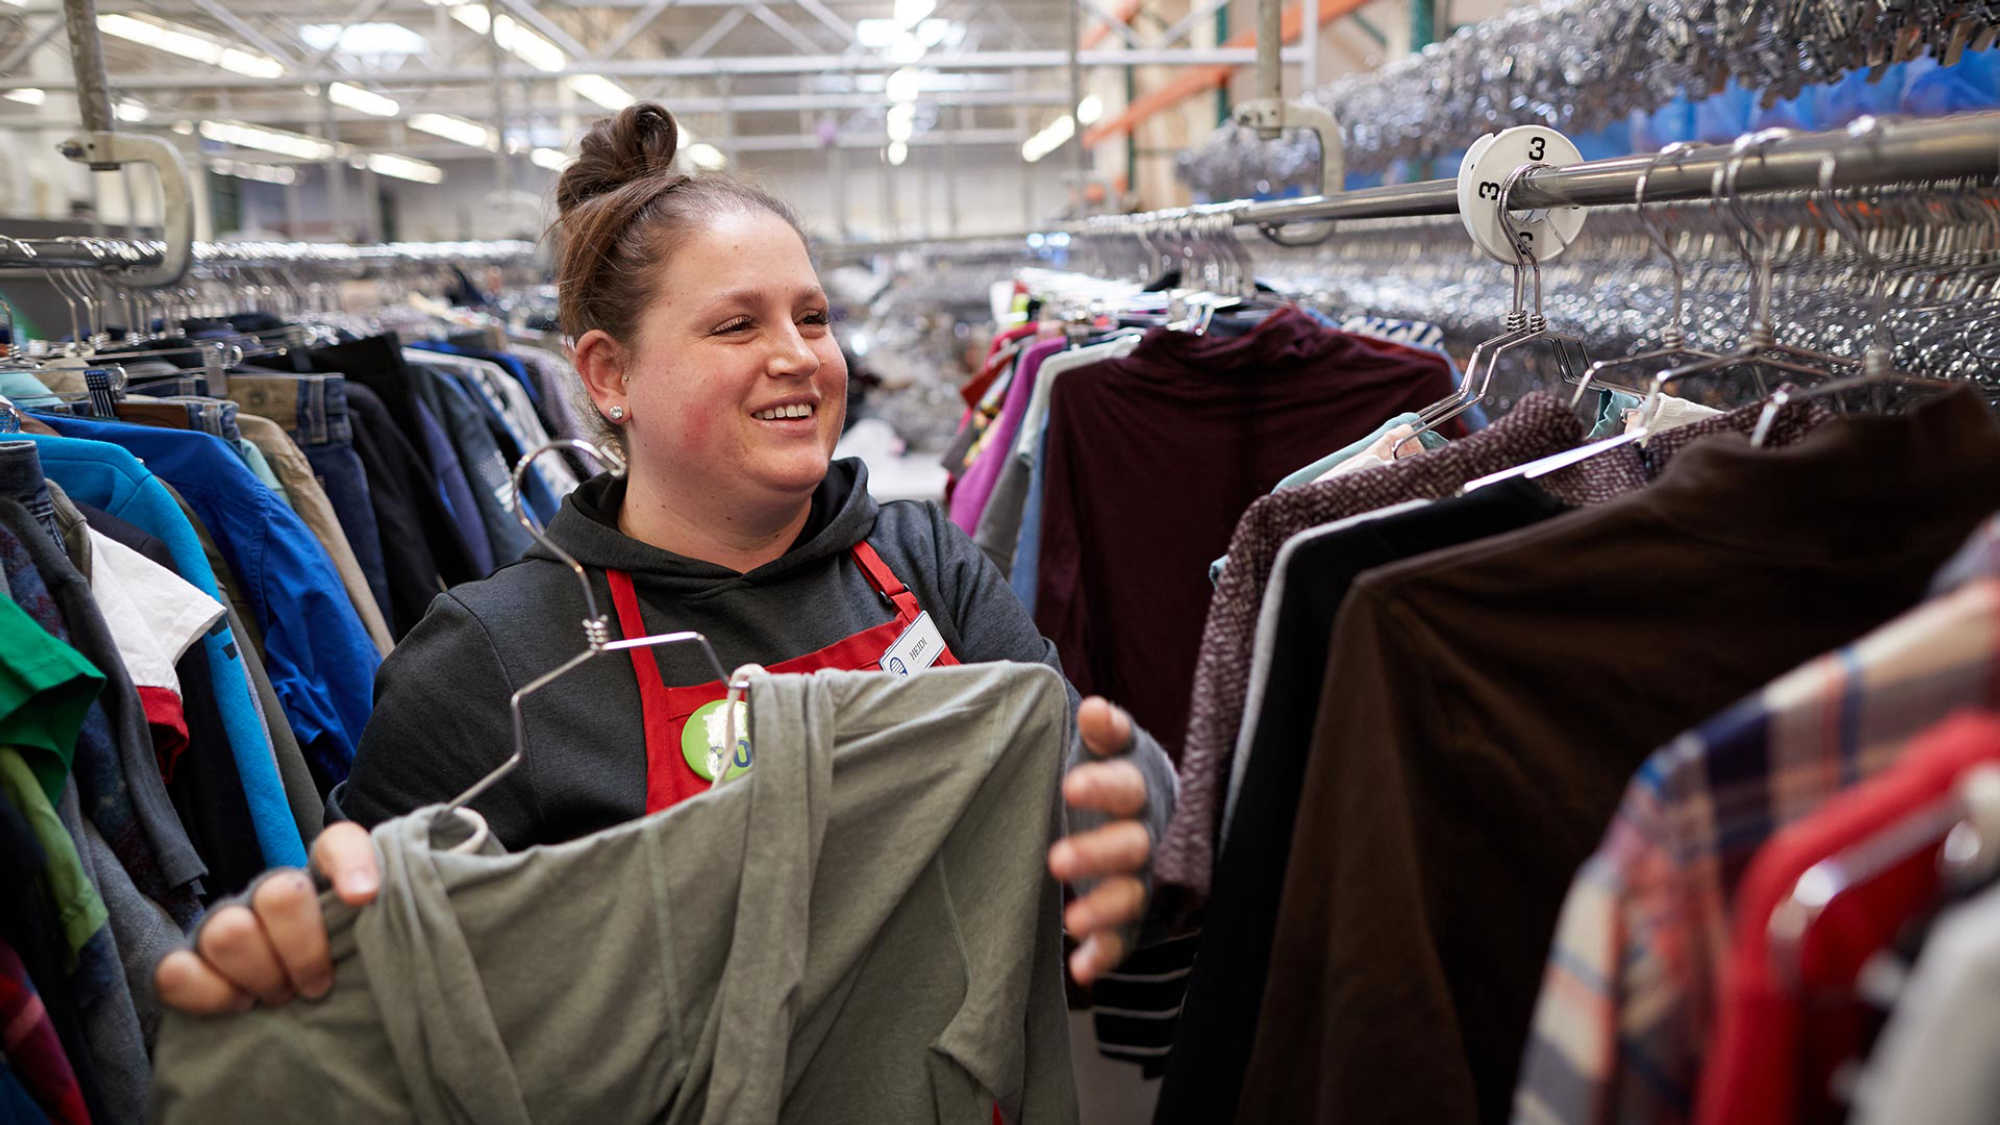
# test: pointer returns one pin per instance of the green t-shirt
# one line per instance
(45, 689)
(77, 901)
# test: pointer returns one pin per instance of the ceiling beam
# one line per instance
(310, 112)
(827, 16)
(790, 34)
(535, 19)
(445, 153)
(630, 30)
(31, 44)
(362, 15)
(242, 28)
(722, 26)
(681, 68)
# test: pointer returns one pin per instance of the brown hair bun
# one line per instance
(636, 146)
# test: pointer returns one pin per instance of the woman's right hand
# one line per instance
(275, 948)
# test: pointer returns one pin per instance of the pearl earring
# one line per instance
(617, 413)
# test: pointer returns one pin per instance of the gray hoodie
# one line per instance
(441, 718)
(857, 930)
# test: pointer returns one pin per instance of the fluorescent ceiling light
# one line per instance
(1049, 139)
(454, 129)
(876, 35)
(364, 38)
(1090, 109)
(555, 160)
(904, 85)
(270, 140)
(130, 110)
(245, 170)
(28, 96)
(366, 101)
(909, 13)
(707, 157)
(525, 43)
(898, 152)
(405, 168)
(189, 44)
(603, 91)
(906, 43)
(902, 120)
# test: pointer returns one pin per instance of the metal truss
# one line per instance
(674, 68)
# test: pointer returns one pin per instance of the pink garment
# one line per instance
(970, 498)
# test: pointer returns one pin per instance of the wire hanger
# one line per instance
(1673, 336)
(1761, 347)
(1535, 326)
(597, 642)
(1878, 370)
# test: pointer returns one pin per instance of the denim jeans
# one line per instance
(313, 410)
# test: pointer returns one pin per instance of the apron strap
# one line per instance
(887, 584)
(662, 747)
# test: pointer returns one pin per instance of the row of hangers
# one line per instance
(1809, 372)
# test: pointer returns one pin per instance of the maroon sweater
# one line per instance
(1152, 458)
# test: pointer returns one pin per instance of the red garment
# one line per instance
(670, 779)
(997, 358)
(1779, 1042)
(1151, 460)
(166, 717)
(28, 1039)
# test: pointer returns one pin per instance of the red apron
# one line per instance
(670, 712)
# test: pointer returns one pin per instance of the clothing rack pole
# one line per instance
(1941, 148)
(118, 254)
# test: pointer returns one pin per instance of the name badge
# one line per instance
(917, 649)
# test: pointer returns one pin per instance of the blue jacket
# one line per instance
(320, 659)
(106, 476)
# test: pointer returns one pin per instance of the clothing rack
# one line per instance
(1966, 145)
(115, 254)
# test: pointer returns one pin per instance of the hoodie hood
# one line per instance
(843, 514)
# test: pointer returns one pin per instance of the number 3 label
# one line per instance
(1489, 164)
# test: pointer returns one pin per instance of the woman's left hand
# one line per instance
(1115, 854)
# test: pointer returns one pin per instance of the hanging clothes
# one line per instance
(1632, 985)
(1309, 582)
(1538, 426)
(321, 659)
(1789, 1010)
(114, 767)
(1459, 776)
(1223, 420)
(110, 478)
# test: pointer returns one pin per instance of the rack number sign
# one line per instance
(1482, 177)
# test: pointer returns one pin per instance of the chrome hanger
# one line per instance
(1761, 347)
(1536, 326)
(1878, 371)
(1673, 336)
(597, 642)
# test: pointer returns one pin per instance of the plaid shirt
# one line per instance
(1629, 999)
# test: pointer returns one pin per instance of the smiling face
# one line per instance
(736, 386)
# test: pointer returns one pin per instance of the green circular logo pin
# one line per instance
(704, 735)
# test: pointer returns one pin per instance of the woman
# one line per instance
(702, 338)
